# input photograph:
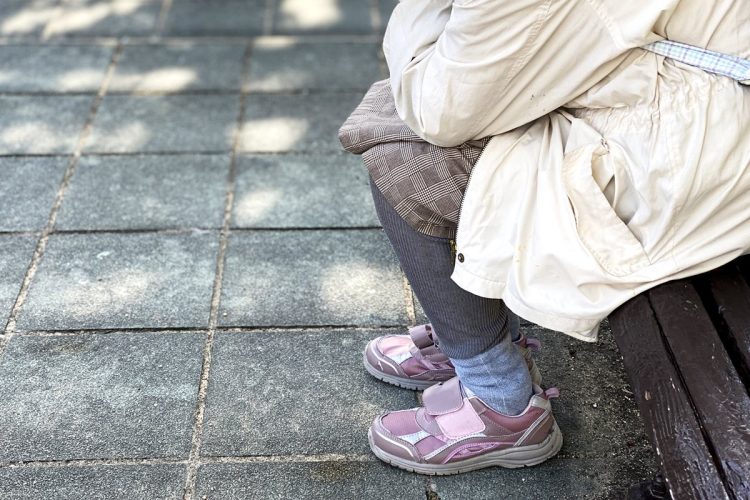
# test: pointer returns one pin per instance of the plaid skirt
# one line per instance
(424, 183)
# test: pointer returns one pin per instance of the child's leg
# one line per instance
(473, 331)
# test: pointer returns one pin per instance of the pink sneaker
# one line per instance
(415, 362)
(455, 433)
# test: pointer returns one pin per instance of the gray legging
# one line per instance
(473, 331)
(466, 324)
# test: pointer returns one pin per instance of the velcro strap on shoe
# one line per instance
(455, 416)
(422, 336)
(430, 353)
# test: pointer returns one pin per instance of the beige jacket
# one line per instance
(611, 169)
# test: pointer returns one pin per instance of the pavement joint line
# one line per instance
(431, 490)
(20, 233)
(239, 330)
(240, 90)
(37, 42)
(191, 230)
(325, 457)
(200, 408)
(89, 462)
(62, 188)
(150, 39)
(303, 152)
(108, 331)
(35, 155)
(203, 331)
(268, 12)
(161, 20)
(158, 153)
(189, 92)
(177, 231)
(305, 229)
(306, 152)
(209, 460)
(173, 231)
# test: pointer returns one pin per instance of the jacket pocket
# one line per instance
(599, 228)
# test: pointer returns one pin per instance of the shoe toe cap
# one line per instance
(384, 435)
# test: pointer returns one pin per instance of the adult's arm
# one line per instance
(468, 69)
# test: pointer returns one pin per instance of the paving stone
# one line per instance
(26, 17)
(146, 192)
(595, 411)
(283, 65)
(174, 68)
(317, 480)
(99, 395)
(53, 68)
(105, 18)
(284, 278)
(286, 191)
(164, 124)
(28, 190)
(136, 280)
(216, 17)
(102, 482)
(293, 392)
(15, 257)
(557, 478)
(277, 123)
(41, 124)
(322, 16)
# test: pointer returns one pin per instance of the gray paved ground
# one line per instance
(190, 268)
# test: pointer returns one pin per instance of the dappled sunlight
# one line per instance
(44, 137)
(352, 285)
(27, 20)
(276, 43)
(86, 16)
(86, 296)
(255, 205)
(280, 133)
(127, 137)
(80, 78)
(302, 15)
(284, 78)
(168, 78)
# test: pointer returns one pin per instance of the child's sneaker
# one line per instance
(455, 433)
(415, 361)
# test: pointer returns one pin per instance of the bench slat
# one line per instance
(732, 296)
(715, 388)
(663, 401)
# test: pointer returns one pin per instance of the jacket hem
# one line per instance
(581, 329)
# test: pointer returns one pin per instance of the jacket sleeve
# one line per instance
(469, 69)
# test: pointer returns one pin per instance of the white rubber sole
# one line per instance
(510, 458)
(414, 385)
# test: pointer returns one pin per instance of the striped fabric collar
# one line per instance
(708, 60)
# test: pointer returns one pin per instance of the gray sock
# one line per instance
(499, 376)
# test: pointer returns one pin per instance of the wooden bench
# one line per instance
(686, 349)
